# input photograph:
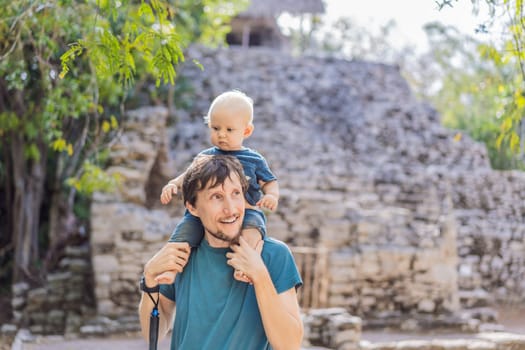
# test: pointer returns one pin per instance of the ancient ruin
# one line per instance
(404, 224)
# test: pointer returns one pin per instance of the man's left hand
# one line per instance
(246, 259)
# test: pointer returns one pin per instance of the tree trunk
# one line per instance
(28, 186)
(62, 220)
(55, 214)
(62, 226)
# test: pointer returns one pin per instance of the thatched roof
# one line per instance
(271, 8)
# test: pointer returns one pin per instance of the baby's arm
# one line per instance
(270, 198)
(171, 189)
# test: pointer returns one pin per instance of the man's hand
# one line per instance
(247, 259)
(168, 192)
(268, 201)
(163, 266)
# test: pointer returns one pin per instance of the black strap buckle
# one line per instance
(154, 324)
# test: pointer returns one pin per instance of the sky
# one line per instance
(410, 16)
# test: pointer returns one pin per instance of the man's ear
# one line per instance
(191, 209)
(248, 131)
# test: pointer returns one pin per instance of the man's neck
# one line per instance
(215, 242)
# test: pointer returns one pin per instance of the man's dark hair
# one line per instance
(210, 171)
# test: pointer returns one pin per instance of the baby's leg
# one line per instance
(252, 236)
(189, 229)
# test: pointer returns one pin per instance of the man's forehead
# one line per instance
(231, 180)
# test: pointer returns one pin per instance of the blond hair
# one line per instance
(235, 97)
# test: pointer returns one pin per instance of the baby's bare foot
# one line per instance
(241, 277)
(167, 277)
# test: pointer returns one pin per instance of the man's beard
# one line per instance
(225, 238)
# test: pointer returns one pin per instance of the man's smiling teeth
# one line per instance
(229, 220)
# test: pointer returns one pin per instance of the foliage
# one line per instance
(66, 69)
(94, 179)
(506, 55)
(63, 115)
(465, 88)
(102, 40)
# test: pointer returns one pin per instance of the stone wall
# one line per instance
(125, 233)
(63, 304)
(414, 217)
(490, 215)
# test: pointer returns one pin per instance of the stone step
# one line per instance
(459, 321)
(480, 341)
(484, 314)
(474, 298)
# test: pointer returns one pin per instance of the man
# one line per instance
(214, 311)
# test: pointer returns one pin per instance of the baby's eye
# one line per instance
(230, 129)
(214, 128)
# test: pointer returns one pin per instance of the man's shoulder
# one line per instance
(275, 242)
(275, 247)
(281, 264)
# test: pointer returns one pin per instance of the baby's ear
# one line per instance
(248, 130)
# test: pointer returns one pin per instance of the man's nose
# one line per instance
(228, 205)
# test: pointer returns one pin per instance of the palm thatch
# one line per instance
(273, 8)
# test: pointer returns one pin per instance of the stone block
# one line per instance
(105, 264)
(505, 340)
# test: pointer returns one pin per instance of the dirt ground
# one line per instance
(511, 317)
(132, 342)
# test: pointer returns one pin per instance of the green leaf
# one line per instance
(8, 121)
(32, 152)
(94, 179)
(106, 126)
(506, 125)
(59, 145)
(198, 64)
(114, 122)
(145, 10)
(514, 142)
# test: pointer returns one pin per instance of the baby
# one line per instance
(230, 121)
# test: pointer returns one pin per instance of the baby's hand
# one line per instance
(268, 201)
(167, 193)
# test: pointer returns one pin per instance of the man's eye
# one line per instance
(216, 196)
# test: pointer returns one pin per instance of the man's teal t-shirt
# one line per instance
(213, 310)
